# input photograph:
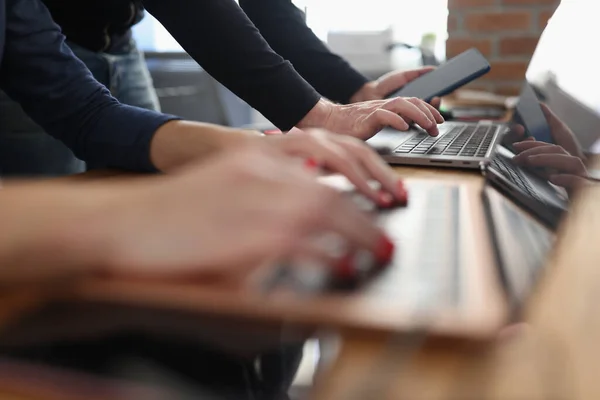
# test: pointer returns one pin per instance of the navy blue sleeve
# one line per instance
(221, 38)
(283, 26)
(56, 89)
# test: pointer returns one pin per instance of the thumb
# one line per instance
(395, 80)
(557, 127)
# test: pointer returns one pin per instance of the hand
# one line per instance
(561, 168)
(346, 155)
(363, 120)
(561, 134)
(238, 211)
(390, 83)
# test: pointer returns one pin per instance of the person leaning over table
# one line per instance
(224, 40)
(70, 230)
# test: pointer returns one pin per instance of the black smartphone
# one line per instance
(448, 77)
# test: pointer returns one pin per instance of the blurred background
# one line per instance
(375, 37)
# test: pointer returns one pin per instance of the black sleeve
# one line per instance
(221, 38)
(282, 25)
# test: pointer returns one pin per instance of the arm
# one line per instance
(219, 36)
(47, 242)
(283, 26)
(41, 73)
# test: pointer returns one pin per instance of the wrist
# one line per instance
(178, 143)
(318, 116)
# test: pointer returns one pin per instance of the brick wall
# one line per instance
(505, 31)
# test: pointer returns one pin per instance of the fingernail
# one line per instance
(403, 199)
(385, 199)
(518, 144)
(344, 268)
(311, 163)
(400, 189)
(385, 250)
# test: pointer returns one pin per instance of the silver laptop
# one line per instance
(459, 145)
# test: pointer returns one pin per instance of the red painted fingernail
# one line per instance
(385, 250)
(403, 199)
(400, 189)
(386, 199)
(344, 268)
(311, 163)
(272, 132)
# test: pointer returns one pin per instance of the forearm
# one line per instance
(220, 37)
(57, 90)
(54, 231)
(178, 143)
(283, 26)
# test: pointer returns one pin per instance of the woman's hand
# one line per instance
(235, 212)
(348, 156)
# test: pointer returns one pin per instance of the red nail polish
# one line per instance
(402, 199)
(344, 268)
(272, 132)
(311, 163)
(385, 250)
(386, 199)
(400, 189)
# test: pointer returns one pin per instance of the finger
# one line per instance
(562, 162)
(405, 108)
(556, 125)
(377, 169)
(395, 80)
(360, 231)
(436, 102)
(436, 113)
(537, 150)
(327, 149)
(518, 131)
(567, 181)
(529, 144)
(380, 118)
(422, 106)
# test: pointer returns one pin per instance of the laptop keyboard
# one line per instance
(426, 270)
(515, 176)
(463, 141)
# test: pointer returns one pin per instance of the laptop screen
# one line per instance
(563, 73)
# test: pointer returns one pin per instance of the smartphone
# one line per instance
(448, 77)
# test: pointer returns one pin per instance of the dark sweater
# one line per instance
(38, 70)
(227, 43)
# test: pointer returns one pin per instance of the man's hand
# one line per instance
(363, 120)
(390, 83)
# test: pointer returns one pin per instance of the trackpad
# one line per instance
(390, 138)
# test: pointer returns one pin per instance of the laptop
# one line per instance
(527, 186)
(568, 88)
(458, 145)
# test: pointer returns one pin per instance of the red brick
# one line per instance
(498, 21)
(518, 46)
(530, 2)
(507, 70)
(455, 46)
(456, 4)
(544, 18)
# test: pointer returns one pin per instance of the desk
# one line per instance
(554, 357)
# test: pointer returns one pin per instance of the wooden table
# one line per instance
(554, 356)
